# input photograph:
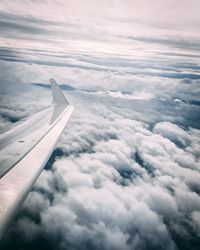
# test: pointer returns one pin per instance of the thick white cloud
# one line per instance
(116, 184)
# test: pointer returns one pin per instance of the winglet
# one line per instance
(58, 96)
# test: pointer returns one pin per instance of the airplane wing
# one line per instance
(24, 151)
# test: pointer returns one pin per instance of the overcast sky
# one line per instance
(100, 25)
(125, 174)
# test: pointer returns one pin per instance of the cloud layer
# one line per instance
(118, 180)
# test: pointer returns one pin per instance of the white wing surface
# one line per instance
(24, 151)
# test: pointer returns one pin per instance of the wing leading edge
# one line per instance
(25, 151)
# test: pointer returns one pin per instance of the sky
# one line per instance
(125, 174)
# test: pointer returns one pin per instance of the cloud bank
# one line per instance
(118, 180)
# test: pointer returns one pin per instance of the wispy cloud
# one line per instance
(104, 25)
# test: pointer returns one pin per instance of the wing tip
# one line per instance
(58, 96)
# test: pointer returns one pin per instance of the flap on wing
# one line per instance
(58, 96)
